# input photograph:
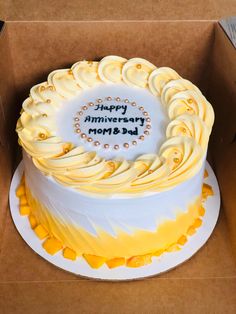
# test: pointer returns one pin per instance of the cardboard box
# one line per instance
(37, 38)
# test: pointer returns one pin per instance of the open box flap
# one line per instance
(90, 10)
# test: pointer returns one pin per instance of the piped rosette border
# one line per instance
(180, 156)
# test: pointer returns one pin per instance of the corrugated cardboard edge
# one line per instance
(229, 26)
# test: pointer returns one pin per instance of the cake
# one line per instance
(114, 158)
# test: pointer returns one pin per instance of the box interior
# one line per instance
(200, 52)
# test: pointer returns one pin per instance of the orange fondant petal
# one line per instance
(197, 223)
(140, 260)
(201, 211)
(206, 174)
(23, 200)
(159, 252)
(191, 230)
(69, 253)
(52, 245)
(115, 262)
(24, 210)
(41, 232)
(20, 191)
(182, 240)
(94, 261)
(206, 191)
(32, 221)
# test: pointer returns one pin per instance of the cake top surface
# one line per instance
(115, 120)
(116, 126)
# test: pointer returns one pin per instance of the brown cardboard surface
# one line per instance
(82, 10)
(225, 8)
(33, 10)
(183, 43)
(211, 295)
(197, 50)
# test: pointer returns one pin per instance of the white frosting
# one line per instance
(117, 109)
(110, 214)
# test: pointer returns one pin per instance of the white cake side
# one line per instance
(126, 212)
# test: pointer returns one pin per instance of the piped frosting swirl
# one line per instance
(180, 156)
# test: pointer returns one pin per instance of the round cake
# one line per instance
(114, 156)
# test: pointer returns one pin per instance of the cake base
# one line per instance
(159, 265)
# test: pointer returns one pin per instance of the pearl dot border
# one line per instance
(115, 146)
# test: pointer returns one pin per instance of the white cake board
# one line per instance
(159, 265)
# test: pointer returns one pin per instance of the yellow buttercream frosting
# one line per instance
(191, 118)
